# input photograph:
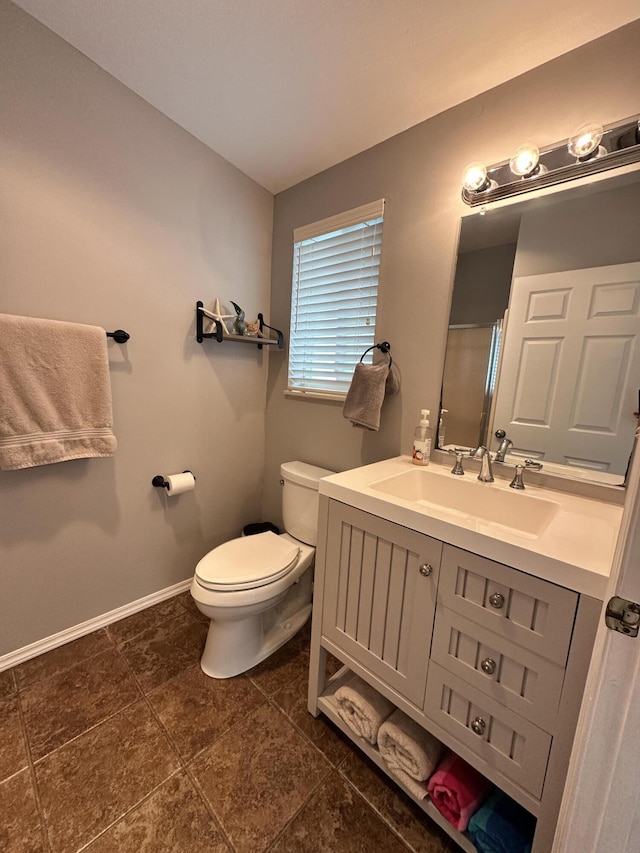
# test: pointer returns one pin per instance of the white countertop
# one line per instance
(575, 550)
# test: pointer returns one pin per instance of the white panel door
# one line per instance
(570, 371)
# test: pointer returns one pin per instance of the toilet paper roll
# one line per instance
(179, 483)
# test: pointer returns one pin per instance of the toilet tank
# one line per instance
(300, 499)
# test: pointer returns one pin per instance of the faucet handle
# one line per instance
(459, 452)
(517, 482)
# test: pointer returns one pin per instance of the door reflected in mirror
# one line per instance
(544, 331)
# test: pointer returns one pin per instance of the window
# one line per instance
(333, 300)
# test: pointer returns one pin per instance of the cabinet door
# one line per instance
(380, 595)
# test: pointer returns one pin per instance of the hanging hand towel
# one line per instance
(365, 395)
(502, 826)
(55, 390)
(411, 752)
(457, 790)
(362, 708)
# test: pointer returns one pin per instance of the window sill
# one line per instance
(318, 396)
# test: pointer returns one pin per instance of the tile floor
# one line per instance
(117, 743)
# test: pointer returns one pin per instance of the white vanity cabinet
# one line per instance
(490, 659)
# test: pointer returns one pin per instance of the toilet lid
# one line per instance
(247, 562)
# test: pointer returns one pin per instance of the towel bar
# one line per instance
(384, 347)
(119, 336)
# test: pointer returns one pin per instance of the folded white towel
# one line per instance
(55, 389)
(418, 789)
(362, 708)
(408, 748)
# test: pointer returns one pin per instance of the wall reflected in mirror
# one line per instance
(544, 331)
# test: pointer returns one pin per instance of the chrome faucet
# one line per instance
(486, 471)
(505, 444)
(517, 482)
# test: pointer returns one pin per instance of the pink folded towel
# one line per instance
(457, 790)
(55, 390)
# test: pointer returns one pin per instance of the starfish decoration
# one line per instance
(218, 315)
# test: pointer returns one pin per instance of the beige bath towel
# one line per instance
(411, 753)
(365, 395)
(362, 708)
(55, 392)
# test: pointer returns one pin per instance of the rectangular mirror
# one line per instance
(544, 331)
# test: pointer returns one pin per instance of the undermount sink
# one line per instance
(492, 503)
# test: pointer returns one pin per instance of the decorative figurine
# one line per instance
(239, 325)
(253, 330)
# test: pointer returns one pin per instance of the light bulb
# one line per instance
(525, 160)
(586, 140)
(474, 177)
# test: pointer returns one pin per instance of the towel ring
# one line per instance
(384, 347)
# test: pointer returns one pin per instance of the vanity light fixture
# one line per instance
(591, 149)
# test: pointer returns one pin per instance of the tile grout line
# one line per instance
(330, 769)
(87, 730)
(337, 769)
(379, 813)
(113, 823)
(184, 765)
(302, 806)
(210, 811)
(31, 763)
(32, 772)
(24, 687)
(271, 703)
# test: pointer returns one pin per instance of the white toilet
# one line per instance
(257, 589)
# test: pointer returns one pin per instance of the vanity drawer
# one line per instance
(504, 740)
(528, 611)
(526, 683)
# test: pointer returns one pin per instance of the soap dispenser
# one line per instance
(422, 440)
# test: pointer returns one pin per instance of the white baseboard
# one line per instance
(55, 640)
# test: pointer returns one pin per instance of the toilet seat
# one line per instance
(247, 562)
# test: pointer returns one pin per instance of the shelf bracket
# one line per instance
(201, 312)
(264, 325)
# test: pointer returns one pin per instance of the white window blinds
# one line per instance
(334, 297)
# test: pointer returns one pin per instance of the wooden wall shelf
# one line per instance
(220, 335)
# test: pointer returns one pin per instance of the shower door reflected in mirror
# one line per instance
(569, 370)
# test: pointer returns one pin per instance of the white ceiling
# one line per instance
(286, 88)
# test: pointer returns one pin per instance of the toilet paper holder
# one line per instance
(160, 482)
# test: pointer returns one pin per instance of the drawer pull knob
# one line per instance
(425, 570)
(488, 665)
(497, 600)
(478, 726)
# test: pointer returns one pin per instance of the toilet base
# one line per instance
(234, 647)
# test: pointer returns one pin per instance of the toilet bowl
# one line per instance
(256, 590)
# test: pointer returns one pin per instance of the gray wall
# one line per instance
(419, 174)
(112, 215)
(596, 231)
(482, 285)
